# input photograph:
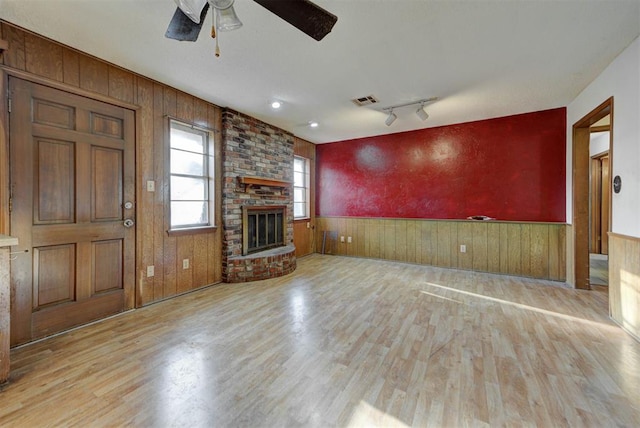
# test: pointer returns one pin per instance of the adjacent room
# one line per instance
(319, 213)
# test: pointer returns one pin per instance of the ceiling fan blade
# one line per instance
(307, 17)
(184, 29)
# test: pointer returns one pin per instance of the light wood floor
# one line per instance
(341, 342)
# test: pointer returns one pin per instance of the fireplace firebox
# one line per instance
(263, 227)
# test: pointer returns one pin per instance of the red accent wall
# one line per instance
(509, 168)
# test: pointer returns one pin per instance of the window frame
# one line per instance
(208, 176)
(307, 188)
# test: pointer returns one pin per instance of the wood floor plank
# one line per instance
(342, 341)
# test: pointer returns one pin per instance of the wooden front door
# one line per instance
(72, 174)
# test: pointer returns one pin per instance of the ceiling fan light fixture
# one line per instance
(391, 118)
(221, 4)
(421, 113)
(306, 16)
(191, 8)
(227, 20)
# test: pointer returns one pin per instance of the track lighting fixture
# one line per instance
(391, 118)
(420, 112)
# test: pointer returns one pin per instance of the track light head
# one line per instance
(422, 114)
(391, 118)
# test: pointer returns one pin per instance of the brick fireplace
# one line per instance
(257, 173)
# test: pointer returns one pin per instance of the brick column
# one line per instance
(252, 148)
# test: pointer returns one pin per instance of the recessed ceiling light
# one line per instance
(276, 105)
(313, 124)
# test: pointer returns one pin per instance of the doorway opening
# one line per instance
(590, 229)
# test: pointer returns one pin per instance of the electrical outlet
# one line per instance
(349, 239)
(185, 264)
(151, 271)
(463, 248)
(342, 239)
(151, 186)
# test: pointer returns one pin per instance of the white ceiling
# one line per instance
(482, 58)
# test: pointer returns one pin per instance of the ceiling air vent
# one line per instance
(365, 101)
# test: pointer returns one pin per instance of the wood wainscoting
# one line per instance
(303, 237)
(536, 250)
(41, 60)
(624, 282)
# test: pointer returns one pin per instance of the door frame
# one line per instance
(5, 174)
(581, 161)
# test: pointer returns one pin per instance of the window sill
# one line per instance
(191, 231)
(302, 219)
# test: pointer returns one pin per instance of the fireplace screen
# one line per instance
(262, 228)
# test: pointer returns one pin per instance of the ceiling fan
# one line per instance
(306, 16)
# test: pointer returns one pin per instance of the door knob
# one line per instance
(128, 222)
(128, 205)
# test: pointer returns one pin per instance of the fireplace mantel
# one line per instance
(259, 181)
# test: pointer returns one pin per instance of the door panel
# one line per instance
(595, 202)
(604, 206)
(72, 169)
(53, 114)
(107, 126)
(53, 179)
(53, 279)
(106, 195)
(107, 265)
(600, 201)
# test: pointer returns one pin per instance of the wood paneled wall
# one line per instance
(624, 282)
(45, 61)
(525, 249)
(303, 236)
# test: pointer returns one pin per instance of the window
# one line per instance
(191, 176)
(300, 187)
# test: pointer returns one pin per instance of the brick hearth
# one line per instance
(264, 265)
